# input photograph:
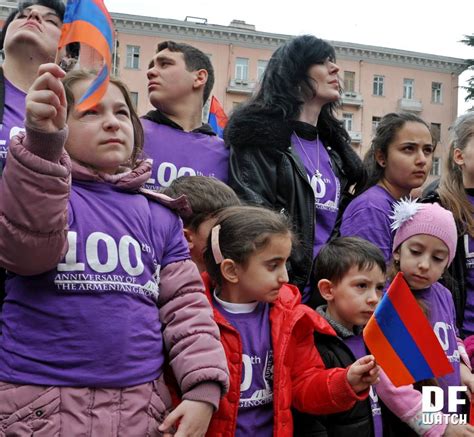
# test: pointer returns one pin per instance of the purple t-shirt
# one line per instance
(177, 153)
(468, 322)
(255, 416)
(357, 347)
(368, 217)
(325, 184)
(13, 118)
(93, 320)
(442, 317)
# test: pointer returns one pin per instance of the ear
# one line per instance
(396, 255)
(229, 271)
(200, 78)
(188, 234)
(458, 156)
(326, 289)
(380, 158)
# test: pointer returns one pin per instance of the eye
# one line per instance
(88, 113)
(428, 150)
(123, 112)
(438, 259)
(52, 21)
(380, 288)
(361, 285)
(408, 148)
(415, 252)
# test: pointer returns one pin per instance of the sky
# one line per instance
(418, 25)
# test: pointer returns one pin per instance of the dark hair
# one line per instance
(56, 5)
(194, 59)
(386, 131)
(206, 195)
(79, 75)
(286, 85)
(244, 230)
(338, 256)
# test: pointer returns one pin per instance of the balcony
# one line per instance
(241, 86)
(410, 105)
(356, 137)
(352, 99)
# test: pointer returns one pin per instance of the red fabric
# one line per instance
(299, 377)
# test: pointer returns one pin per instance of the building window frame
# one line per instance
(436, 92)
(436, 166)
(349, 81)
(242, 69)
(378, 85)
(348, 120)
(133, 57)
(261, 67)
(409, 89)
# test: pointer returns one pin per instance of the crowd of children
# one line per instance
(130, 311)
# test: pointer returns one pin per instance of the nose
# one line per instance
(111, 122)
(283, 277)
(421, 158)
(424, 264)
(151, 73)
(34, 15)
(333, 67)
(372, 297)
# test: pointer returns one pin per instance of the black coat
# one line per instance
(265, 170)
(357, 422)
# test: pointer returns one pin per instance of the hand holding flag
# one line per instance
(88, 22)
(402, 339)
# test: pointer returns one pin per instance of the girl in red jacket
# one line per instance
(267, 333)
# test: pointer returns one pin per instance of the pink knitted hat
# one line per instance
(411, 218)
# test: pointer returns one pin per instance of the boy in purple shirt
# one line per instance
(180, 80)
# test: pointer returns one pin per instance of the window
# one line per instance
(378, 86)
(134, 99)
(347, 120)
(436, 92)
(349, 81)
(408, 89)
(261, 65)
(375, 123)
(241, 69)
(436, 168)
(436, 132)
(133, 57)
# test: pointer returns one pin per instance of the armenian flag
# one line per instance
(88, 22)
(217, 117)
(402, 340)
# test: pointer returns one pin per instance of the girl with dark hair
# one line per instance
(267, 334)
(398, 161)
(290, 153)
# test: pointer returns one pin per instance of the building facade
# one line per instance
(377, 80)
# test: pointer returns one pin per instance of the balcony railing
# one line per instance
(241, 86)
(352, 99)
(410, 105)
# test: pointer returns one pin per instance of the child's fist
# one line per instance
(363, 373)
(46, 106)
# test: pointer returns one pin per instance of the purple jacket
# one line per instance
(35, 201)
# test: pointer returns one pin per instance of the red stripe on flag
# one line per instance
(387, 358)
(418, 326)
(100, 4)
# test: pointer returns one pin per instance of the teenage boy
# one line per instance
(180, 80)
(206, 196)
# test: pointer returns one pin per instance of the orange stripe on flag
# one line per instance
(94, 99)
(387, 357)
(84, 32)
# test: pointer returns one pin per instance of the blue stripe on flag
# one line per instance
(401, 340)
(98, 81)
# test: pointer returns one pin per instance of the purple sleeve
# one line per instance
(371, 224)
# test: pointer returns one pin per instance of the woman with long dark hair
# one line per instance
(289, 152)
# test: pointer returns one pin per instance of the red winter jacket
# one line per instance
(299, 377)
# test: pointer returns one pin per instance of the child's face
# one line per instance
(197, 241)
(352, 301)
(265, 271)
(465, 159)
(409, 157)
(101, 137)
(423, 259)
